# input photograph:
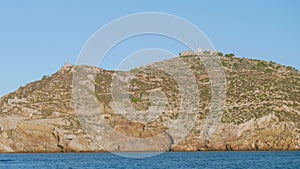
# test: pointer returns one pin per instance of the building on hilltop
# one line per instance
(198, 52)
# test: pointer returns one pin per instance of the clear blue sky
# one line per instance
(37, 37)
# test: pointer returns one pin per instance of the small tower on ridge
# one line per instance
(199, 50)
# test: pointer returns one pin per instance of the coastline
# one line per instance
(104, 152)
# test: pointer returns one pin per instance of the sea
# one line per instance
(210, 160)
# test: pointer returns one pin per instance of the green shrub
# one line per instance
(262, 64)
(135, 70)
(290, 68)
(235, 66)
(135, 99)
(269, 70)
(45, 77)
(272, 63)
(224, 63)
(229, 55)
(220, 54)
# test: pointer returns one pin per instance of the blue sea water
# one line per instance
(211, 160)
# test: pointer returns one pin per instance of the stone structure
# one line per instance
(198, 52)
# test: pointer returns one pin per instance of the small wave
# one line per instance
(6, 160)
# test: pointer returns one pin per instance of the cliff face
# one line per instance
(262, 111)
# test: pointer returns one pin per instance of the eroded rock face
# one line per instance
(265, 133)
(262, 111)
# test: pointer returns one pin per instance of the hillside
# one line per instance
(262, 110)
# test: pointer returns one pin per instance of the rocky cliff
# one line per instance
(261, 110)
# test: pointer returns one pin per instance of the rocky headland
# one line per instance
(261, 110)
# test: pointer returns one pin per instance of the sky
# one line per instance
(38, 37)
